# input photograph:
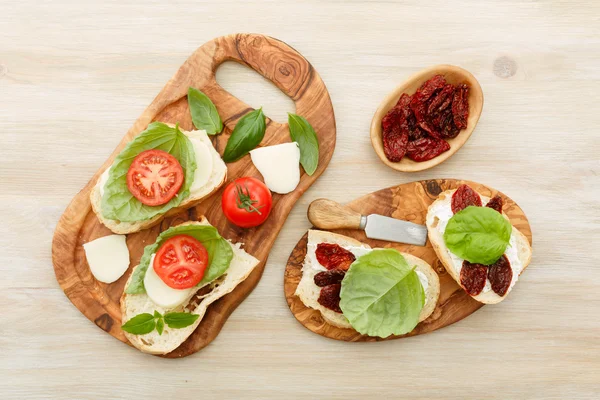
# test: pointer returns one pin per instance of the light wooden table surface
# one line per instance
(75, 75)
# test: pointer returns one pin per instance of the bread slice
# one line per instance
(436, 237)
(240, 268)
(308, 291)
(217, 178)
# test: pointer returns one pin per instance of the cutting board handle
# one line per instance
(327, 214)
(269, 57)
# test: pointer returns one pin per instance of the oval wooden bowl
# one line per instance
(291, 73)
(454, 75)
(408, 202)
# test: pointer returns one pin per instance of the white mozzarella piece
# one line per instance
(160, 293)
(204, 164)
(103, 180)
(279, 166)
(108, 257)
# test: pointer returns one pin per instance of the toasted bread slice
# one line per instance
(217, 178)
(308, 291)
(241, 266)
(518, 240)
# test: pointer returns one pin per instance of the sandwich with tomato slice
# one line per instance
(377, 292)
(189, 267)
(161, 171)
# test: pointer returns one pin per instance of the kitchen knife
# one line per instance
(327, 214)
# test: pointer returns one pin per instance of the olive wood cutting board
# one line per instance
(294, 76)
(409, 202)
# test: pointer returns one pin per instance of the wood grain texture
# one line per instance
(291, 73)
(454, 75)
(408, 202)
(328, 214)
(75, 75)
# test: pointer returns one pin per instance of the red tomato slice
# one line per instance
(246, 202)
(181, 262)
(154, 177)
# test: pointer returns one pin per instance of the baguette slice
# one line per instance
(308, 291)
(240, 268)
(437, 240)
(217, 178)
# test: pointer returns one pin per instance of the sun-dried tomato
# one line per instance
(430, 129)
(404, 100)
(464, 197)
(441, 100)
(430, 86)
(395, 143)
(398, 113)
(419, 108)
(460, 106)
(449, 130)
(397, 125)
(329, 277)
(473, 277)
(416, 133)
(496, 203)
(418, 103)
(426, 148)
(500, 275)
(330, 297)
(389, 120)
(333, 256)
(444, 122)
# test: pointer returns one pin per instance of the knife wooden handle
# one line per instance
(327, 214)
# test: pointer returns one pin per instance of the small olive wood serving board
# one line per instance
(409, 202)
(295, 77)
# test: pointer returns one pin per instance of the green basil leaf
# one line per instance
(160, 326)
(204, 113)
(219, 254)
(303, 133)
(140, 324)
(118, 203)
(178, 320)
(381, 294)
(157, 314)
(478, 234)
(247, 134)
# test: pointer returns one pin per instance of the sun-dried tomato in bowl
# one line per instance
(418, 125)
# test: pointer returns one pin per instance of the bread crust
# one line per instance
(438, 244)
(131, 227)
(336, 319)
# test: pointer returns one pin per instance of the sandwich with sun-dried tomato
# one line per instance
(377, 292)
(477, 244)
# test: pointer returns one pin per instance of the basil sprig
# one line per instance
(204, 113)
(303, 133)
(145, 323)
(247, 134)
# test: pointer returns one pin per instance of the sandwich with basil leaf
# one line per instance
(477, 244)
(161, 171)
(187, 268)
(377, 292)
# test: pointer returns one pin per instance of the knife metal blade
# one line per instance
(395, 230)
